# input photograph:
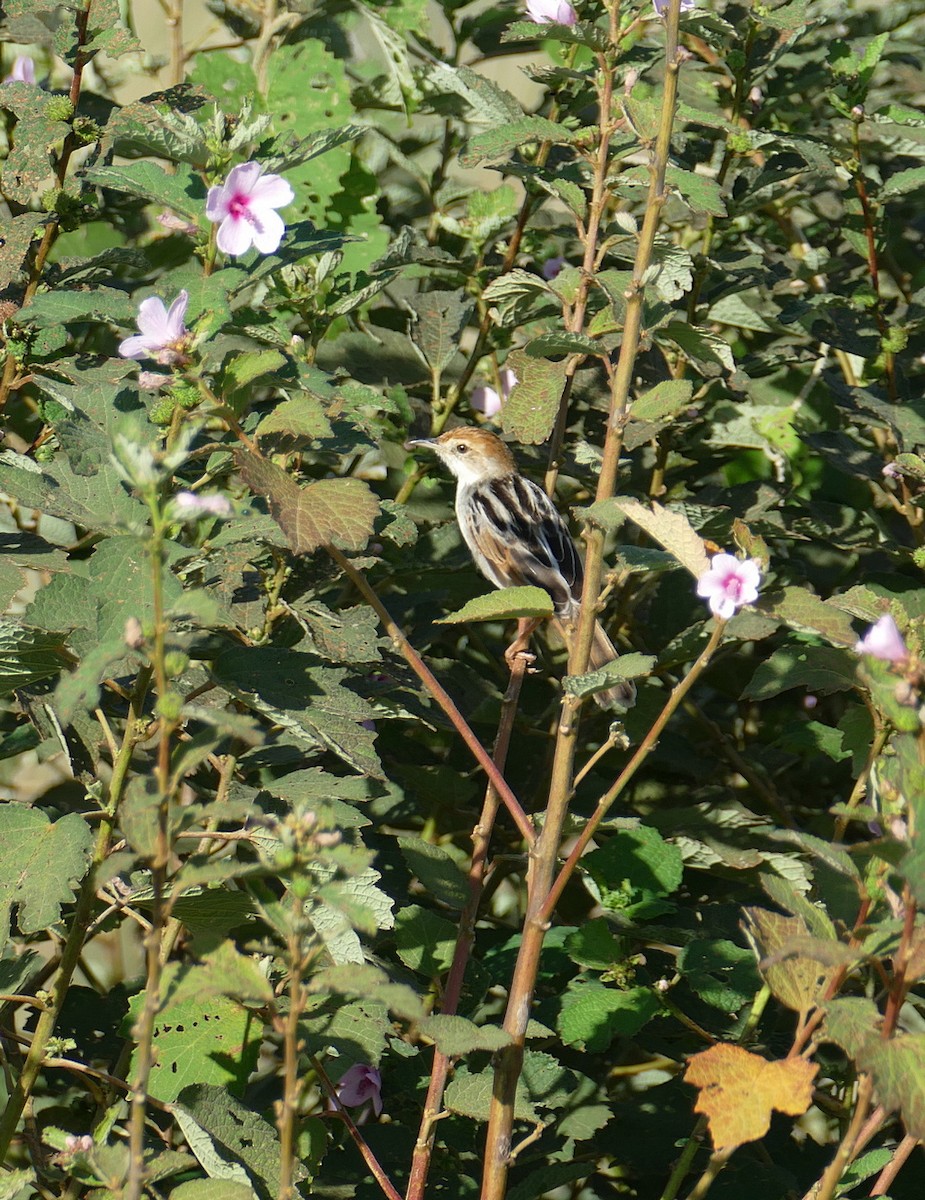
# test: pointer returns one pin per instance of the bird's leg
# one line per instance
(521, 644)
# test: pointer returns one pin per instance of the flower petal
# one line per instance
(267, 232)
(235, 235)
(217, 203)
(243, 178)
(153, 322)
(176, 316)
(135, 346)
(273, 191)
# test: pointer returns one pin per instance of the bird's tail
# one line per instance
(603, 651)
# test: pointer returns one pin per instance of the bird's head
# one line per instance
(473, 455)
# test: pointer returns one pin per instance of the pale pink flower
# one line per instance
(729, 584)
(170, 220)
(884, 641)
(74, 1144)
(162, 334)
(361, 1084)
(246, 205)
(152, 381)
(486, 400)
(551, 267)
(23, 70)
(661, 6)
(551, 12)
(190, 506)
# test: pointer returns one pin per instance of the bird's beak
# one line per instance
(427, 443)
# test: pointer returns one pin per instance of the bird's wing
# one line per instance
(515, 527)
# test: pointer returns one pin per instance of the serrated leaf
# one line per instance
(818, 668)
(61, 307)
(456, 1036)
(700, 346)
(436, 869)
(795, 979)
(664, 401)
(27, 655)
(897, 1067)
(15, 240)
(496, 144)
(183, 191)
(530, 411)
(296, 423)
(800, 609)
(627, 666)
(41, 864)
(592, 1015)
(563, 343)
(672, 530)
(439, 319)
(634, 869)
(328, 511)
(423, 940)
(503, 605)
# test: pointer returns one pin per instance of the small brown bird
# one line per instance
(517, 537)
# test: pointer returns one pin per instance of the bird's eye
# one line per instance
(461, 448)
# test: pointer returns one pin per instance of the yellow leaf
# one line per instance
(738, 1090)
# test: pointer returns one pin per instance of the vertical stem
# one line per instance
(477, 870)
(544, 852)
(73, 945)
(160, 915)
(292, 1085)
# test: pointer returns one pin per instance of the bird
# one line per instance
(516, 537)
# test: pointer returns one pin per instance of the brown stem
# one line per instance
(481, 836)
(388, 1188)
(427, 677)
(873, 266)
(292, 1085)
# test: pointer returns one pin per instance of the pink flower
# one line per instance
(162, 334)
(188, 506)
(246, 205)
(486, 400)
(551, 12)
(551, 267)
(729, 583)
(360, 1085)
(883, 641)
(23, 70)
(152, 381)
(661, 6)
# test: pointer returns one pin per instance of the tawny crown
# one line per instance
(473, 455)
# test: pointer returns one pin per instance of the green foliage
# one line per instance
(248, 852)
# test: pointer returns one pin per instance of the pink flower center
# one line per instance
(732, 586)
(239, 206)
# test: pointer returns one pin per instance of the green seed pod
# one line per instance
(161, 413)
(170, 706)
(175, 662)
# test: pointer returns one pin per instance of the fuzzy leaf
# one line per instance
(41, 864)
(529, 413)
(503, 605)
(672, 530)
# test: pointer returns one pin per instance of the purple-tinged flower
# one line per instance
(246, 205)
(884, 641)
(74, 1144)
(162, 334)
(729, 584)
(23, 70)
(551, 12)
(190, 506)
(551, 267)
(661, 6)
(361, 1085)
(891, 471)
(486, 400)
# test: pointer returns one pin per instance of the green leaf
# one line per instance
(664, 401)
(592, 1015)
(903, 182)
(18, 233)
(356, 1031)
(796, 980)
(503, 605)
(455, 1036)
(216, 1042)
(634, 869)
(328, 511)
(850, 1021)
(182, 191)
(703, 194)
(529, 413)
(817, 668)
(563, 343)
(897, 1067)
(241, 371)
(27, 655)
(60, 307)
(296, 423)
(496, 144)
(436, 869)
(801, 610)
(212, 1189)
(41, 864)
(594, 946)
(701, 347)
(627, 666)
(721, 973)
(29, 164)
(439, 319)
(243, 1133)
(424, 941)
